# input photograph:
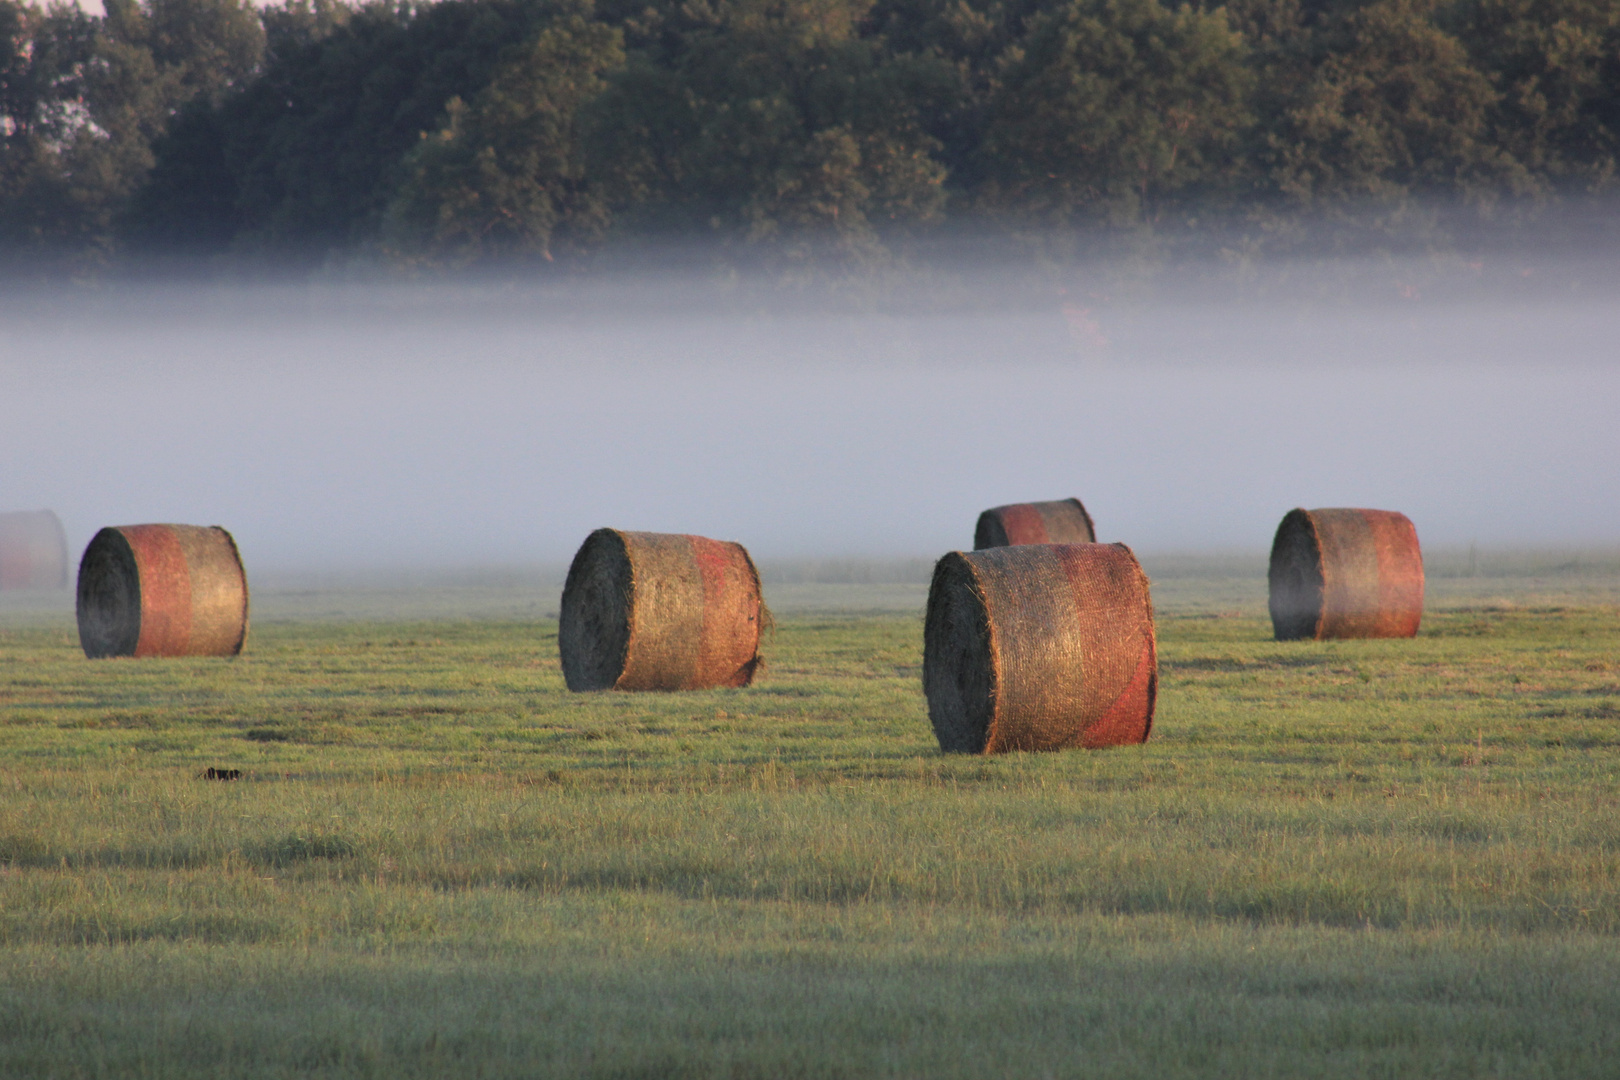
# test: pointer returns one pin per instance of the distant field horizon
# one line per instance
(1182, 581)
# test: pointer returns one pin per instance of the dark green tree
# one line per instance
(505, 176)
(44, 54)
(1390, 106)
(1117, 112)
(297, 23)
(770, 123)
(306, 159)
(102, 91)
(962, 43)
(1552, 64)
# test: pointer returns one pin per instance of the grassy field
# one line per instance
(1380, 859)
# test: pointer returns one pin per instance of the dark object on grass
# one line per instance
(659, 611)
(212, 773)
(1346, 573)
(1039, 647)
(1061, 522)
(33, 551)
(162, 590)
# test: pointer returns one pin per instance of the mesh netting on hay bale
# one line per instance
(1062, 522)
(1039, 647)
(162, 590)
(659, 611)
(1346, 573)
(33, 551)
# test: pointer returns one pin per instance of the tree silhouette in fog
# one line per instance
(474, 131)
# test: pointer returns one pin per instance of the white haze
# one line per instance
(345, 427)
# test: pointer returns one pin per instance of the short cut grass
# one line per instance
(1344, 858)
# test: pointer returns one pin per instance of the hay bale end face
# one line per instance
(1062, 522)
(162, 590)
(1040, 647)
(33, 551)
(1345, 573)
(659, 611)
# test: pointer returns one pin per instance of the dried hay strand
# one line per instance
(1062, 522)
(659, 611)
(162, 590)
(33, 551)
(1345, 573)
(1040, 647)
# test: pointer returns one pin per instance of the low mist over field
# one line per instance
(348, 426)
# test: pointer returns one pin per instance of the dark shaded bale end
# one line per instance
(162, 590)
(1062, 522)
(659, 611)
(1040, 647)
(958, 663)
(594, 633)
(1345, 573)
(33, 551)
(1295, 578)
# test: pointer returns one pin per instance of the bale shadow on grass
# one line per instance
(317, 734)
(673, 1069)
(31, 852)
(297, 848)
(1229, 665)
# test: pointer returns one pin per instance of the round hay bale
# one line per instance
(1345, 573)
(162, 590)
(33, 551)
(659, 611)
(1062, 522)
(1039, 647)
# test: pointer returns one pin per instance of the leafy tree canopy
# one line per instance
(469, 131)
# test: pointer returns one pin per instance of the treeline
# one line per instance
(475, 131)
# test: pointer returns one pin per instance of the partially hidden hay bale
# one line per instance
(1062, 522)
(1040, 647)
(659, 611)
(33, 551)
(162, 590)
(1346, 573)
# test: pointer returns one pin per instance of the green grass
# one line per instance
(1350, 859)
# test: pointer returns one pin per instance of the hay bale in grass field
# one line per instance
(1040, 647)
(33, 551)
(659, 611)
(162, 590)
(1346, 573)
(1062, 522)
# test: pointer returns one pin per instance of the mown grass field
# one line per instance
(1382, 859)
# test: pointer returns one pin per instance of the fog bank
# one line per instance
(392, 427)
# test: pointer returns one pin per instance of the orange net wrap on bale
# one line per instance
(33, 551)
(1346, 573)
(1039, 647)
(1061, 522)
(162, 590)
(659, 611)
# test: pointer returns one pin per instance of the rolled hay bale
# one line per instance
(1039, 647)
(33, 551)
(1062, 522)
(162, 590)
(1345, 573)
(659, 611)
